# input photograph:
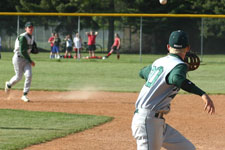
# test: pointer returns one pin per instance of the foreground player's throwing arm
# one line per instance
(164, 78)
(22, 62)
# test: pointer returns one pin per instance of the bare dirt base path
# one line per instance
(187, 116)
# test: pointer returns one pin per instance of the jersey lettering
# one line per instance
(154, 75)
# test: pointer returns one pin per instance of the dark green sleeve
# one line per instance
(177, 77)
(191, 88)
(144, 72)
(24, 48)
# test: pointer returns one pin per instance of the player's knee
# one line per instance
(18, 78)
(28, 75)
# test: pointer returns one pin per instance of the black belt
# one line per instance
(20, 56)
(157, 115)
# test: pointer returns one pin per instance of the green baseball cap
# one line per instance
(178, 39)
(29, 24)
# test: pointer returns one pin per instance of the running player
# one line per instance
(115, 46)
(164, 78)
(22, 62)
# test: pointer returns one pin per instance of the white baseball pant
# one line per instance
(21, 66)
(152, 133)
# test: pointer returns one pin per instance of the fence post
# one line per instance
(202, 34)
(141, 40)
(18, 25)
(78, 53)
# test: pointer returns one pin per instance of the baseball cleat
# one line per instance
(7, 88)
(25, 98)
(104, 57)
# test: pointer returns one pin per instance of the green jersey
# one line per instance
(23, 45)
(164, 78)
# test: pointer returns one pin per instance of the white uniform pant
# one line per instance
(152, 133)
(21, 66)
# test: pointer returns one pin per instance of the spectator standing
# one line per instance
(69, 46)
(91, 42)
(55, 49)
(77, 45)
(51, 41)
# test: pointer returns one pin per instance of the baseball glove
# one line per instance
(34, 49)
(192, 61)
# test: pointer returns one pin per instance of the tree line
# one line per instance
(213, 28)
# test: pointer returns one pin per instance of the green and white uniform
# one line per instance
(22, 61)
(164, 78)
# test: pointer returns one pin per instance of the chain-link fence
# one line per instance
(145, 34)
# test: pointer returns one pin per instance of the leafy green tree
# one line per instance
(8, 23)
(212, 27)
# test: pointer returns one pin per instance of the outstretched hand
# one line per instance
(209, 106)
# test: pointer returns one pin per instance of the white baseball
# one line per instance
(163, 2)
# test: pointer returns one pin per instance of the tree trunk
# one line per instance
(111, 33)
(111, 26)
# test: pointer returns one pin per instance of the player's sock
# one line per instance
(9, 86)
(109, 54)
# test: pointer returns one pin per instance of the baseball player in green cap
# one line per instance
(164, 78)
(22, 62)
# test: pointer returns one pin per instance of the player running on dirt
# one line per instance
(22, 62)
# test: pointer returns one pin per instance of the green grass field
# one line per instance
(20, 129)
(107, 75)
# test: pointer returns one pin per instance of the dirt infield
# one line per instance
(205, 131)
